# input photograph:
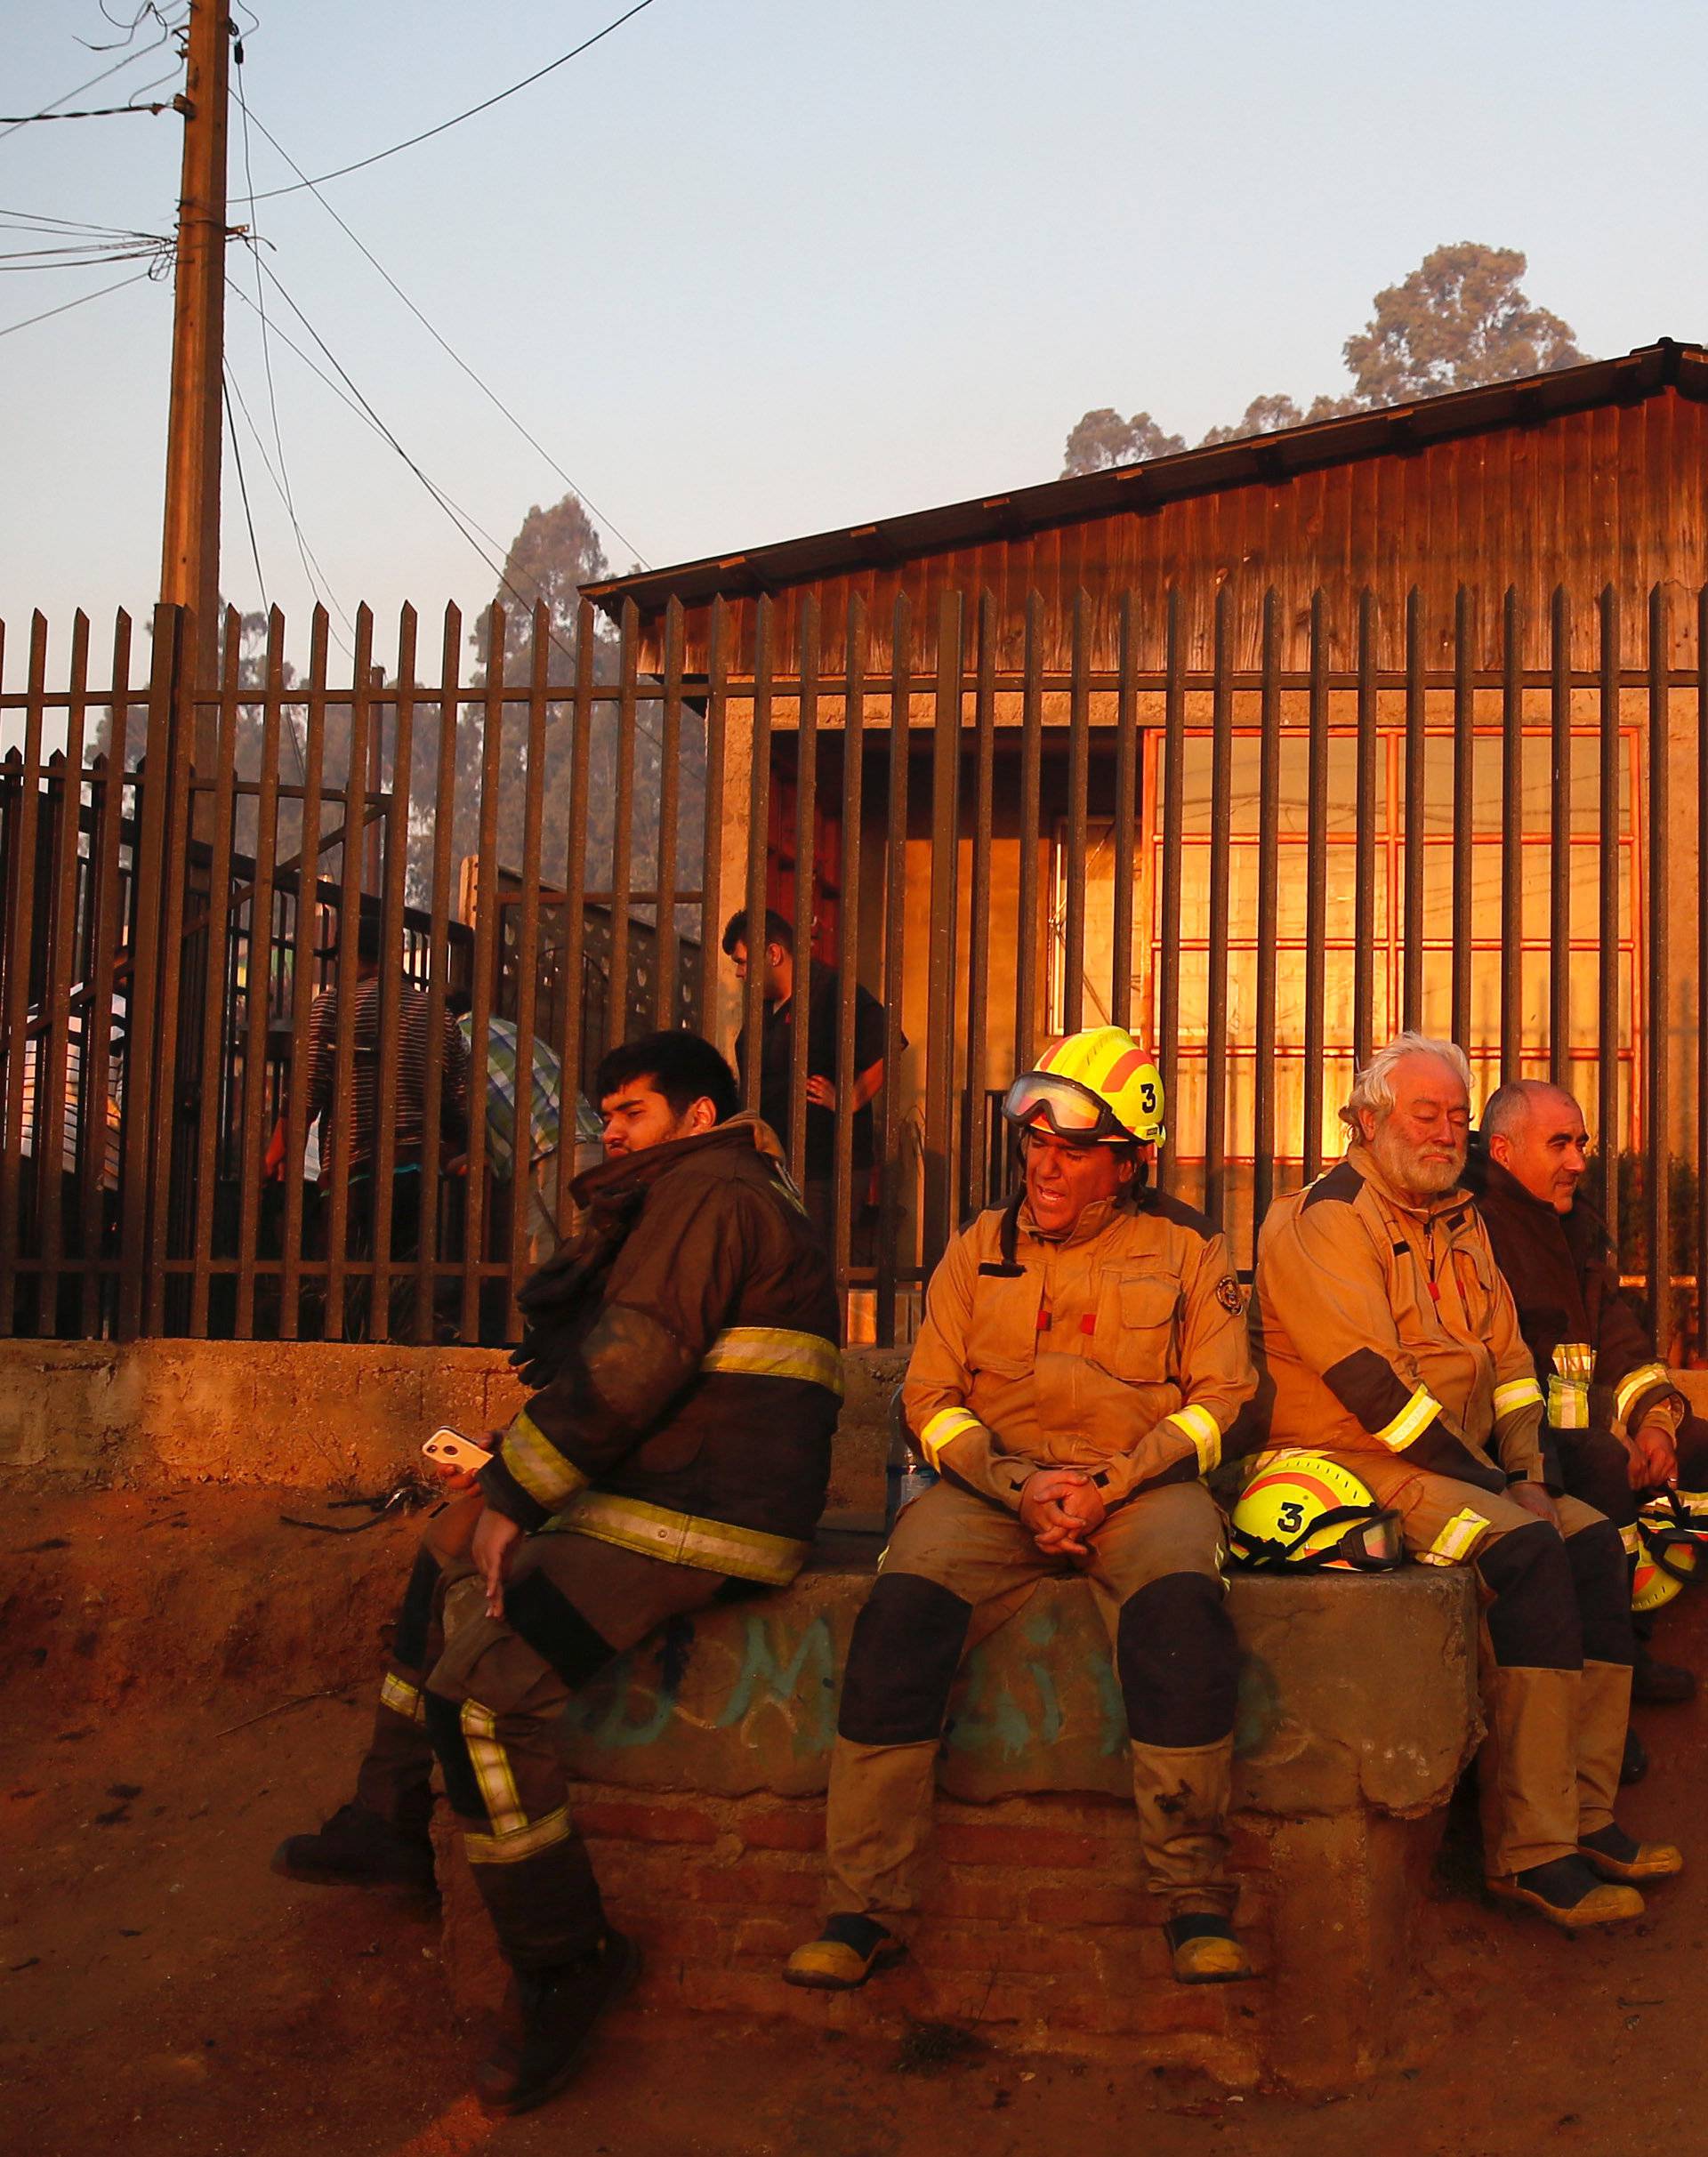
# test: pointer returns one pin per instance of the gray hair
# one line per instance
(1508, 1108)
(1372, 1089)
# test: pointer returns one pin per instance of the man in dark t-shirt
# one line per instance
(824, 1003)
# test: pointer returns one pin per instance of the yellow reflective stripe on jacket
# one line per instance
(401, 1698)
(1516, 1394)
(1638, 1382)
(1204, 1432)
(943, 1428)
(1411, 1421)
(517, 1843)
(491, 1765)
(774, 1351)
(536, 1464)
(682, 1539)
(1453, 1544)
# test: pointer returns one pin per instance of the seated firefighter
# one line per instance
(684, 1353)
(1083, 1355)
(1621, 1428)
(1394, 1349)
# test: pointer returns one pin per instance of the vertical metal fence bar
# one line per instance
(210, 1092)
(1217, 1047)
(258, 978)
(847, 942)
(1511, 837)
(1269, 887)
(1173, 831)
(1079, 757)
(394, 864)
(350, 854)
(162, 1214)
(895, 940)
(759, 828)
(438, 963)
(1126, 809)
(1027, 939)
(717, 670)
(665, 1007)
(974, 1150)
(1559, 852)
(527, 979)
(1658, 1130)
(307, 878)
(1702, 970)
(806, 802)
(617, 1005)
(16, 945)
(941, 1029)
(1316, 887)
(486, 961)
(54, 1047)
(1610, 827)
(1464, 811)
(1411, 995)
(1363, 930)
(575, 901)
(107, 795)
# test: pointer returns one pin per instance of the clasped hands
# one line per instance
(1059, 1507)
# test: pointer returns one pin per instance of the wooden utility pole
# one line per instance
(190, 566)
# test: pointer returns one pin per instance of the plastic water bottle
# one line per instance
(906, 1477)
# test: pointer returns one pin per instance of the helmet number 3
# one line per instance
(1148, 1097)
(1290, 1517)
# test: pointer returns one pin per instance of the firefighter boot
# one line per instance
(844, 1955)
(554, 2014)
(1567, 1893)
(1618, 1856)
(358, 1848)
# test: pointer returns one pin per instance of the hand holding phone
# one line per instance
(457, 1459)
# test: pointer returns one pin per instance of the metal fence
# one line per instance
(1265, 870)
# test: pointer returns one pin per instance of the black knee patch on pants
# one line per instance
(444, 1720)
(1602, 1585)
(901, 1661)
(1597, 1468)
(555, 1629)
(1178, 1660)
(1532, 1622)
(415, 1618)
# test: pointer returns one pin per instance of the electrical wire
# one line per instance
(82, 301)
(141, 52)
(243, 488)
(487, 104)
(485, 388)
(9, 120)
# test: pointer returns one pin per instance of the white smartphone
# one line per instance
(448, 1448)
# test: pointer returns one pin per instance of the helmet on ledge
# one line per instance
(1306, 1513)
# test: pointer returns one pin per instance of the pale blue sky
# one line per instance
(752, 268)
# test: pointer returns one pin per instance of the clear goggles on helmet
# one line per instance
(1066, 1107)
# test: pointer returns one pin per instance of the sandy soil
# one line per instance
(162, 1991)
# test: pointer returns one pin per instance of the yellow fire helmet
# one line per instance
(1665, 1540)
(1098, 1088)
(1309, 1514)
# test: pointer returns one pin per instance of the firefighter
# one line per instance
(1083, 1356)
(685, 1355)
(1621, 1428)
(1394, 1347)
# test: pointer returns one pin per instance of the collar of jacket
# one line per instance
(1503, 1187)
(630, 1175)
(1098, 1215)
(1361, 1157)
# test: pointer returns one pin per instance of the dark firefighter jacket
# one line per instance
(1577, 1324)
(686, 1352)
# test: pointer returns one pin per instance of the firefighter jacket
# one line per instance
(1579, 1328)
(1387, 1328)
(686, 1352)
(1120, 1347)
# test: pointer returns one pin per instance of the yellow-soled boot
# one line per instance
(1618, 1856)
(1569, 1894)
(1204, 1950)
(844, 1955)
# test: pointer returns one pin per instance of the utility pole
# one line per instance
(190, 566)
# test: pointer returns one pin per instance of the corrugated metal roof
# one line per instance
(1267, 458)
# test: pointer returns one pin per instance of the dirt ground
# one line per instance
(162, 1991)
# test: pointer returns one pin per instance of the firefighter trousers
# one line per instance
(956, 1566)
(1554, 1652)
(487, 1696)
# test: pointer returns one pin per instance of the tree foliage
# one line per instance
(1103, 439)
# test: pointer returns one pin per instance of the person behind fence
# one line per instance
(1623, 1429)
(1083, 1356)
(684, 1353)
(824, 1002)
(1394, 1348)
(406, 1110)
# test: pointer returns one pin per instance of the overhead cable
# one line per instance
(83, 300)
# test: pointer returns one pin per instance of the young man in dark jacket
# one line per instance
(685, 1355)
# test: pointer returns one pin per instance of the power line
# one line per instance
(243, 488)
(319, 584)
(128, 59)
(83, 301)
(9, 120)
(485, 105)
(609, 523)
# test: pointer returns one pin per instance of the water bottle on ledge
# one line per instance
(906, 1476)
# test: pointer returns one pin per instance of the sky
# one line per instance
(751, 268)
